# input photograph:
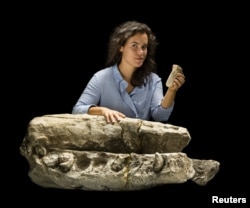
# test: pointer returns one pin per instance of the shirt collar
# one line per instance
(118, 77)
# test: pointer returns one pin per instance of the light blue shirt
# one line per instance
(107, 88)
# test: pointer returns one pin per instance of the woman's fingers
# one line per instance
(113, 116)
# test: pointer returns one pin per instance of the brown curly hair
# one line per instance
(118, 39)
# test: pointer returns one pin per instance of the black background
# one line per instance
(56, 52)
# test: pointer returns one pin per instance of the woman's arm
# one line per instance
(169, 97)
(89, 97)
(111, 116)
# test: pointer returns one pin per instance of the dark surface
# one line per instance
(58, 53)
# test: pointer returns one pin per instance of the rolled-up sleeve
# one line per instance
(89, 97)
(157, 111)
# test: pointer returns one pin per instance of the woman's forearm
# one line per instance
(168, 99)
(96, 110)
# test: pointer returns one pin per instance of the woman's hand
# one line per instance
(112, 116)
(178, 82)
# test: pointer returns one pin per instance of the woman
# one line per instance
(129, 85)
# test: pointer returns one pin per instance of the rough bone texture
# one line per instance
(175, 70)
(84, 152)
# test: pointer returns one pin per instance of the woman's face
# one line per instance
(135, 49)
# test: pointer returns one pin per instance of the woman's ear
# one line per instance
(121, 49)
